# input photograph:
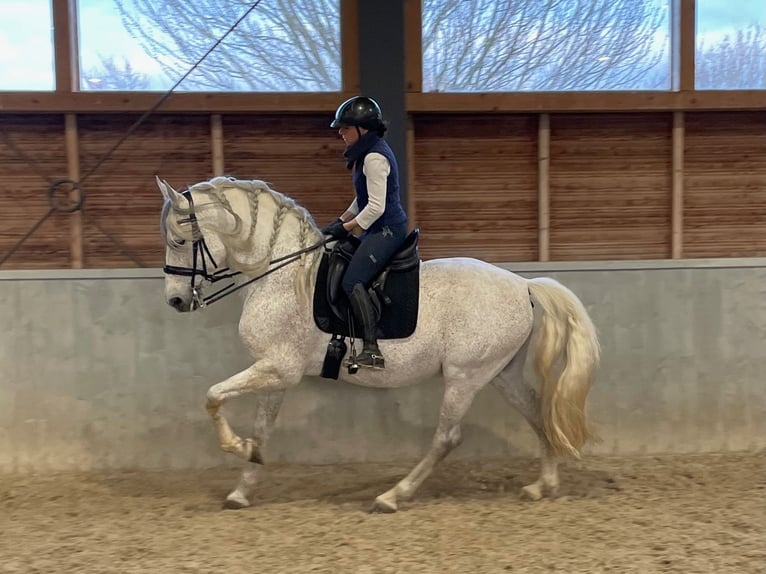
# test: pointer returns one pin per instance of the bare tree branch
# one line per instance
(114, 75)
(468, 46)
(283, 45)
(737, 62)
(539, 44)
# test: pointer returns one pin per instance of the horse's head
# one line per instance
(194, 248)
(225, 227)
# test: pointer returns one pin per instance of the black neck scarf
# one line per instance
(360, 148)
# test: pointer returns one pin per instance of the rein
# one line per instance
(201, 252)
(284, 260)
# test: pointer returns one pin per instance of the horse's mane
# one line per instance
(253, 188)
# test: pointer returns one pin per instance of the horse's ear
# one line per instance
(169, 193)
(162, 187)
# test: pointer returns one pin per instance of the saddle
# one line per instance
(395, 291)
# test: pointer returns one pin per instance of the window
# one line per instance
(730, 49)
(292, 45)
(558, 45)
(26, 45)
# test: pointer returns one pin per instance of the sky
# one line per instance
(26, 52)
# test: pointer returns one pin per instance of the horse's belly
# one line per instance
(470, 313)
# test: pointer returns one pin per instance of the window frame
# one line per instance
(67, 97)
(683, 96)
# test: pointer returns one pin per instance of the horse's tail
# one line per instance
(567, 351)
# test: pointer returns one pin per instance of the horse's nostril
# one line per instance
(176, 303)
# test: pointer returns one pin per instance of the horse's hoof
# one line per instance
(383, 505)
(235, 503)
(532, 492)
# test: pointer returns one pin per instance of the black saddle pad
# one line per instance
(398, 303)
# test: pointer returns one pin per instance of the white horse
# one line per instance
(475, 325)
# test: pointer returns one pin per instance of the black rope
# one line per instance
(32, 163)
(36, 169)
(53, 183)
(27, 235)
(92, 220)
(165, 96)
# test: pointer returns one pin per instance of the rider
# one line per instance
(376, 210)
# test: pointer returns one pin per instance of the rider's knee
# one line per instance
(347, 284)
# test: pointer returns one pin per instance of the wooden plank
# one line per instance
(23, 195)
(413, 45)
(610, 181)
(188, 102)
(309, 103)
(349, 40)
(216, 142)
(543, 187)
(298, 156)
(585, 101)
(725, 185)
(123, 199)
(65, 45)
(476, 181)
(685, 32)
(677, 208)
(73, 173)
(411, 212)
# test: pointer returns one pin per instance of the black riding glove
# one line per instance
(336, 230)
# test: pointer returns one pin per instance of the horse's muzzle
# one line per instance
(179, 304)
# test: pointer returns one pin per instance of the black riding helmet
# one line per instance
(359, 111)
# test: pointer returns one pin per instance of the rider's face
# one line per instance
(350, 134)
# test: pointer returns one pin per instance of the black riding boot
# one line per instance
(364, 313)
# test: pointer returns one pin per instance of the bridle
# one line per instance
(201, 255)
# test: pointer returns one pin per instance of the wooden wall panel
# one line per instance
(476, 186)
(23, 195)
(299, 156)
(610, 186)
(122, 197)
(725, 185)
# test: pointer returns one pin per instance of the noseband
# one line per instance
(201, 254)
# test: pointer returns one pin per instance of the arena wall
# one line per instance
(98, 372)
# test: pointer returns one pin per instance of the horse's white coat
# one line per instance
(474, 327)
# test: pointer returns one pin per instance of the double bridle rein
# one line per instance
(201, 255)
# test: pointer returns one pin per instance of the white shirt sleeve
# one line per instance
(376, 168)
(353, 208)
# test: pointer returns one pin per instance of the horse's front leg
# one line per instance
(261, 377)
(266, 411)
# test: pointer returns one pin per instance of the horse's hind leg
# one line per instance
(459, 393)
(524, 398)
(266, 411)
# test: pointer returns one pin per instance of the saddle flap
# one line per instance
(395, 292)
(405, 259)
(339, 258)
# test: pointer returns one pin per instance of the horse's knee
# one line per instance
(213, 402)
